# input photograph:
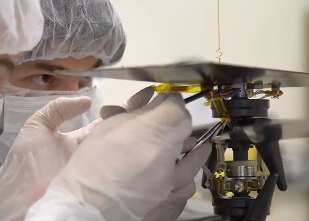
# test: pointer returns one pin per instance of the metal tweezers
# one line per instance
(208, 135)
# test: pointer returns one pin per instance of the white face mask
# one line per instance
(19, 104)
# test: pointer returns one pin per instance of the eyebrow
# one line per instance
(97, 64)
(53, 68)
(50, 67)
(9, 65)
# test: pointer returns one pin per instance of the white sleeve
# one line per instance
(58, 206)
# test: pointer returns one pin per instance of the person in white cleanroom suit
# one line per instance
(153, 187)
(78, 35)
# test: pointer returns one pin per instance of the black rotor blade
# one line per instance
(260, 208)
(271, 155)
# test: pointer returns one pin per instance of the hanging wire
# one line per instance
(219, 33)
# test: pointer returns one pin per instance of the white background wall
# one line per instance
(264, 33)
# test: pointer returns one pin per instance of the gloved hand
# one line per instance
(40, 152)
(184, 186)
(124, 168)
(186, 169)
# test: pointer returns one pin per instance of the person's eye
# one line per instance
(43, 79)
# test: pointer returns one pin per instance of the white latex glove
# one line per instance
(38, 154)
(184, 186)
(137, 101)
(21, 25)
(124, 169)
(186, 169)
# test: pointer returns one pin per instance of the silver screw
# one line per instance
(239, 187)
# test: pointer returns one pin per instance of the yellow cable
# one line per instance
(180, 88)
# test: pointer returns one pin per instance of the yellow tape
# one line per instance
(179, 88)
(196, 82)
(220, 108)
(274, 93)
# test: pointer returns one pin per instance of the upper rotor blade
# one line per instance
(199, 73)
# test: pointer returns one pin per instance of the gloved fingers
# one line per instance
(109, 111)
(58, 111)
(188, 144)
(139, 100)
(158, 100)
(83, 132)
(188, 167)
(168, 112)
